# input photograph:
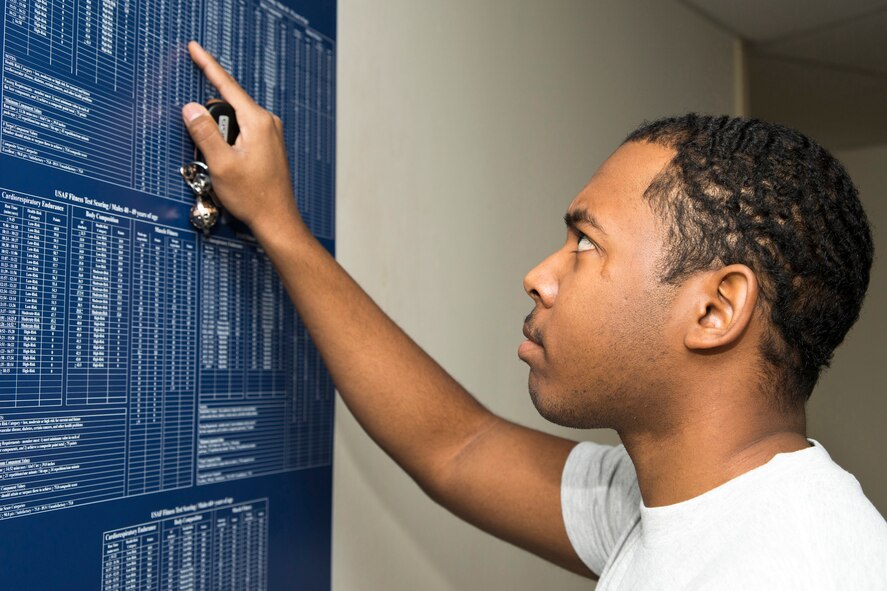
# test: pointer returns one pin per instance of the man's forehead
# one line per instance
(614, 195)
(622, 179)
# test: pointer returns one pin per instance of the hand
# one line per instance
(250, 178)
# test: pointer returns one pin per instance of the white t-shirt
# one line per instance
(797, 522)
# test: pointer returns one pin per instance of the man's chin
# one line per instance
(576, 410)
(553, 409)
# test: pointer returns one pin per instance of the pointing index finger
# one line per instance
(230, 90)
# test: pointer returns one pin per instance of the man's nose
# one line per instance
(541, 283)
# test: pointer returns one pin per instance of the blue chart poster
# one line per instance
(165, 422)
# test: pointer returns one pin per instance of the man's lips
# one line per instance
(534, 339)
(533, 334)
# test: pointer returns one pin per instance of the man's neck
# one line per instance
(698, 456)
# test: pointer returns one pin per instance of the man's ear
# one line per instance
(724, 304)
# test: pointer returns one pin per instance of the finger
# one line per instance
(205, 133)
(278, 123)
(230, 90)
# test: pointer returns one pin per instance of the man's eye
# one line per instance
(584, 244)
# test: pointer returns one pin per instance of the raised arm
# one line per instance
(502, 477)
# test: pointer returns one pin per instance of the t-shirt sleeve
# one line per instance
(600, 500)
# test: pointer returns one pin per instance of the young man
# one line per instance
(711, 267)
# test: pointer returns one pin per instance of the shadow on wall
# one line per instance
(846, 412)
(839, 107)
(842, 107)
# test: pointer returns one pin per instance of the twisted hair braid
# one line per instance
(746, 191)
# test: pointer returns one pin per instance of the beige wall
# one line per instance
(848, 409)
(465, 127)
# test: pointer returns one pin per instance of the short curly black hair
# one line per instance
(746, 191)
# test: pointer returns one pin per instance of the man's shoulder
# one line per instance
(806, 491)
(798, 518)
(810, 486)
(594, 472)
(600, 499)
(809, 518)
(798, 522)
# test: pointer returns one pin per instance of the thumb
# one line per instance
(204, 131)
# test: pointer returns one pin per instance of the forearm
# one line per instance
(404, 400)
(502, 477)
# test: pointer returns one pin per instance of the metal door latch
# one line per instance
(206, 210)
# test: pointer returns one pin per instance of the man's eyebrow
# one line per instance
(582, 216)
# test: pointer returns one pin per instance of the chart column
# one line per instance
(146, 395)
(179, 313)
(32, 269)
(52, 326)
(98, 328)
(28, 385)
(10, 263)
(149, 562)
(222, 315)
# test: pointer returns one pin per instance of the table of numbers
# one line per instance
(223, 549)
(143, 364)
(98, 312)
(33, 275)
(98, 323)
(107, 106)
(136, 355)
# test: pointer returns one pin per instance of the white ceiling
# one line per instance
(813, 63)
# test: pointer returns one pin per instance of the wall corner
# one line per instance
(741, 91)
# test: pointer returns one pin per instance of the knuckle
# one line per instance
(267, 122)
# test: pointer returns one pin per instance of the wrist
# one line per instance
(279, 228)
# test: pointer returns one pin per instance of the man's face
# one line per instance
(598, 342)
